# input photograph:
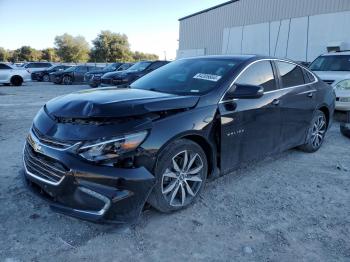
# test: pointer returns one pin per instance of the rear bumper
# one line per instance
(36, 77)
(95, 81)
(88, 191)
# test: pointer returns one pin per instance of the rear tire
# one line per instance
(16, 80)
(181, 172)
(316, 133)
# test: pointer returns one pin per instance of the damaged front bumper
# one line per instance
(79, 188)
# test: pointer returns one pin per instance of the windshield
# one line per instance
(188, 76)
(331, 63)
(70, 69)
(140, 66)
(111, 67)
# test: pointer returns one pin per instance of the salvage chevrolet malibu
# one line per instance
(102, 154)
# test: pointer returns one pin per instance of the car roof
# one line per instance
(337, 53)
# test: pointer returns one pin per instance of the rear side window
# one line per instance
(3, 66)
(259, 74)
(309, 78)
(81, 69)
(291, 74)
(31, 65)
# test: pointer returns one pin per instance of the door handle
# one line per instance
(276, 102)
(310, 94)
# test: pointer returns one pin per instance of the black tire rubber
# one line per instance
(16, 80)
(156, 198)
(93, 85)
(344, 130)
(46, 78)
(67, 80)
(308, 146)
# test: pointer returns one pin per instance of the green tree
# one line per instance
(137, 56)
(72, 49)
(110, 47)
(4, 54)
(26, 53)
(50, 54)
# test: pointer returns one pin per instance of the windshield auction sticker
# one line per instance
(208, 77)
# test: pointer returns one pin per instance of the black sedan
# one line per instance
(101, 154)
(94, 77)
(74, 74)
(44, 75)
(125, 78)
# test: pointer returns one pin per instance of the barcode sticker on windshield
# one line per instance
(208, 77)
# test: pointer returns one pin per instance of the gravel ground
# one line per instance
(291, 207)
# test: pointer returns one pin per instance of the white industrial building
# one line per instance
(296, 29)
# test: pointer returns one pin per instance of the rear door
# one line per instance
(250, 128)
(297, 104)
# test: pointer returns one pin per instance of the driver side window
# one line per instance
(259, 74)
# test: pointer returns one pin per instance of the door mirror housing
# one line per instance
(244, 92)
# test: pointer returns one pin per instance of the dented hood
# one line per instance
(114, 102)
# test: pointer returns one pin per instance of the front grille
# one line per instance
(329, 81)
(49, 141)
(48, 169)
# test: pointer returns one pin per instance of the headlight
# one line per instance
(112, 148)
(343, 85)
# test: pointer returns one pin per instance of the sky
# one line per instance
(151, 25)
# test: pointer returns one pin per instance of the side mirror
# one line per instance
(244, 92)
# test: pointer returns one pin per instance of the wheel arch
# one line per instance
(19, 76)
(208, 148)
(325, 110)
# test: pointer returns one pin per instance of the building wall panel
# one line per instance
(206, 30)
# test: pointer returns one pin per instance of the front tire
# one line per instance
(316, 133)
(16, 80)
(46, 78)
(67, 80)
(181, 172)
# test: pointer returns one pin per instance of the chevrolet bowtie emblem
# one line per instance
(36, 147)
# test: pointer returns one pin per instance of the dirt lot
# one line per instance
(292, 207)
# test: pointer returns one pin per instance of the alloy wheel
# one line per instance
(46, 78)
(318, 131)
(182, 180)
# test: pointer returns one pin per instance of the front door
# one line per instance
(250, 128)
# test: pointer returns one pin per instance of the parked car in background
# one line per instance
(74, 74)
(303, 63)
(36, 66)
(13, 75)
(102, 154)
(44, 75)
(130, 75)
(94, 77)
(334, 69)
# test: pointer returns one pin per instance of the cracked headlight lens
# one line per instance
(107, 149)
